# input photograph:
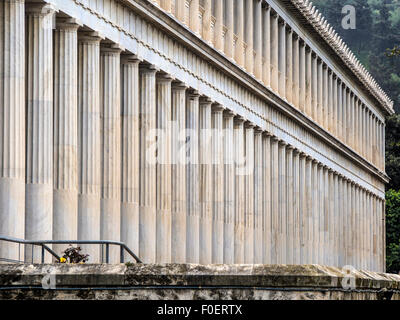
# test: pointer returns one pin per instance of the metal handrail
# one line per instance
(44, 243)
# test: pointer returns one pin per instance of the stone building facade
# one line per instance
(198, 131)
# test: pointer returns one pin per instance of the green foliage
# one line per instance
(393, 151)
(393, 231)
(377, 36)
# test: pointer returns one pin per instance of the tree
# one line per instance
(393, 231)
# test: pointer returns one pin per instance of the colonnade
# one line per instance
(257, 38)
(115, 148)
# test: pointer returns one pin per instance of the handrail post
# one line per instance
(42, 254)
(122, 254)
(107, 253)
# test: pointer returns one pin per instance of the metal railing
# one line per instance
(44, 247)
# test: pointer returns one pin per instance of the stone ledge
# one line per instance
(190, 275)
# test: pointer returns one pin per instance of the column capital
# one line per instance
(164, 77)
(295, 36)
(205, 101)
(193, 93)
(179, 86)
(267, 134)
(290, 147)
(229, 114)
(296, 152)
(217, 108)
(249, 125)
(147, 68)
(303, 154)
(68, 24)
(42, 9)
(90, 36)
(111, 48)
(238, 119)
(130, 58)
(258, 130)
(282, 143)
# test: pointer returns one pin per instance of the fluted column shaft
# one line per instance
(147, 168)
(266, 45)
(166, 5)
(296, 73)
(12, 121)
(164, 196)
(192, 179)
(239, 189)
(229, 12)
(178, 172)
(229, 188)
(289, 65)
(194, 16)
(308, 79)
(39, 108)
(239, 10)
(206, 25)
(282, 217)
(257, 39)
(302, 75)
(89, 144)
(130, 153)
(65, 197)
(258, 196)
(267, 199)
(110, 114)
(282, 59)
(249, 195)
(290, 209)
(206, 182)
(275, 198)
(217, 185)
(180, 11)
(219, 23)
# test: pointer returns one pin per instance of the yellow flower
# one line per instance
(63, 260)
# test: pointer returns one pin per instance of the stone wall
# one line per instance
(188, 281)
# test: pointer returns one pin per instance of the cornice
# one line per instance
(331, 37)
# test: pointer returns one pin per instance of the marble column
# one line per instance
(314, 223)
(206, 33)
(320, 112)
(192, 179)
(282, 53)
(325, 96)
(12, 121)
(89, 142)
(239, 25)
(290, 206)
(258, 196)
(229, 188)
(130, 153)
(194, 19)
(206, 182)
(308, 79)
(147, 166)
(219, 25)
(180, 11)
(166, 5)
(248, 35)
(39, 126)
(239, 190)
(217, 184)
(302, 75)
(303, 209)
(334, 107)
(249, 194)
(266, 44)
(178, 171)
(275, 201)
(164, 196)
(229, 35)
(289, 65)
(296, 71)
(110, 129)
(65, 141)
(308, 214)
(282, 208)
(257, 39)
(267, 213)
(297, 227)
(339, 109)
(314, 87)
(274, 51)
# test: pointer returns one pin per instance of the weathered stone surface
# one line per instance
(190, 281)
